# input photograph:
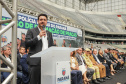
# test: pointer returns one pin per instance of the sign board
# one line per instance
(63, 72)
(72, 36)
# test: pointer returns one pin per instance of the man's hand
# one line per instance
(42, 33)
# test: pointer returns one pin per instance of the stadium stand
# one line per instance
(91, 21)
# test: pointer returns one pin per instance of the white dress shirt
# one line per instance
(21, 55)
(44, 40)
(82, 60)
(97, 59)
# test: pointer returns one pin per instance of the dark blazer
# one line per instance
(79, 59)
(35, 45)
(19, 68)
(112, 57)
(107, 58)
(3, 65)
(23, 62)
(102, 59)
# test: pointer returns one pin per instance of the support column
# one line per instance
(14, 42)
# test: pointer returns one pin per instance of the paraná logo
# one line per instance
(63, 72)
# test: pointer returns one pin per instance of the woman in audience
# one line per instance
(74, 66)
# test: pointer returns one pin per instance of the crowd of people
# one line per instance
(22, 66)
(87, 65)
(93, 66)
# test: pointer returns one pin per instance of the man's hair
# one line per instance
(23, 33)
(83, 49)
(5, 47)
(42, 15)
(21, 47)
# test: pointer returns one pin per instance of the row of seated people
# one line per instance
(22, 66)
(83, 62)
(89, 66)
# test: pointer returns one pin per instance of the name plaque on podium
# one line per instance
(63, 72)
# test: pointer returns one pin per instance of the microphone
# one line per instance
(43, 26)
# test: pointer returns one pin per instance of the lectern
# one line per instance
(55, 65)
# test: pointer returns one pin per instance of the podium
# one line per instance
(55, 65)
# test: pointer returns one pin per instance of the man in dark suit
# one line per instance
(38, 40)
(6, 54)
(19, 67)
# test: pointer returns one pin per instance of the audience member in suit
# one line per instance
(83, 66)
(25, 75)
(90, 65)
(118, 57)
(121, 55)
(38, 40)
(6, 54)
(24, 65)
(76, 74)
(19, 67)
(109, 61)
(103, 61)
(102, 68)
(19, 56)
(114, 60)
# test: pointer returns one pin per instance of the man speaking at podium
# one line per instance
(38, 39)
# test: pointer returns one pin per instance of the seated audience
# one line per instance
(110, 52)
(76, 74)
(109, 62)
(90, 65)
(83, 66)
(102, 68)
(103, 61)
(118, 57)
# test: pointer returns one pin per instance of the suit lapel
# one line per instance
(37, 30)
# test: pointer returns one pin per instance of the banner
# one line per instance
(72, 37)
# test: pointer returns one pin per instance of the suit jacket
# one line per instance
(107, 58)
(111, 57)
(79, 59)
(35, 45)
(23, 62)
(19, 68)
(3, 65)
(102, 59)
(92, 59)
